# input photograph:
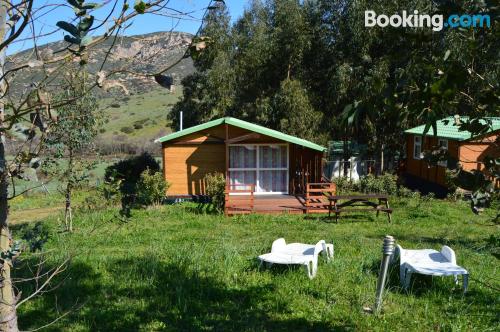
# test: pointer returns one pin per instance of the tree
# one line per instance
(209, 92)
(364, 84)
(293, 113)
(412, 76)
(82, 32)
(72, 137)
(254, 71)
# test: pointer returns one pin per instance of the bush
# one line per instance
(128, 172)
(130, 169)
(106, 194)
(215, 188)
(151, 188)
(127, 130)
(386, 183)
(345, 185)
(138, 126)
(405, 192)
(35, 236)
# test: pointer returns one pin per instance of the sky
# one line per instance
(47, 13)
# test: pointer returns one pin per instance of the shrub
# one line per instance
(128, 173)
(106, 194)
(408, 193)
(386, 183)
(138, 126)
(151, 188)
(345, 185)
(130, 169)
(36, 236)
(215, 188)
(127, 130)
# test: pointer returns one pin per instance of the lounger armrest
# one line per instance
(449, 254)
(398, 255)
(278, 245)
(319, 247)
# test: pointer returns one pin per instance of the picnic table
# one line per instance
(359, 203)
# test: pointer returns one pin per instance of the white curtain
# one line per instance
(268, 173)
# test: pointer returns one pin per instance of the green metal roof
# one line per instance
(446, 128)
(337, 147)
(245, 125)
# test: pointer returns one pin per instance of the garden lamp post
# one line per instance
(387, 252)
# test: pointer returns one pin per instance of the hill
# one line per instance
(137, 118)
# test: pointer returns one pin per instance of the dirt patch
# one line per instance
(30, 215)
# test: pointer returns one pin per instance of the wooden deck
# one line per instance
(275, 204)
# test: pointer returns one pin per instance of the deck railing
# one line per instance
(239, 199)
(316, 196)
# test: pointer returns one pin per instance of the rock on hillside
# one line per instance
(139, 53)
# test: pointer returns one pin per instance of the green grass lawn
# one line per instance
(174, 268)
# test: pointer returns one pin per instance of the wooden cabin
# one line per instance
(273, 162)
(461, 145)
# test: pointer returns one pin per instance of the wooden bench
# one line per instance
(359, 203)
(317, 194)
(239, 199)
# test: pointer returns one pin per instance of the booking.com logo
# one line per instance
(416, 20)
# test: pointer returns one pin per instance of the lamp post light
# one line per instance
(387, 252)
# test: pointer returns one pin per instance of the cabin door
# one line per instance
(263, 165)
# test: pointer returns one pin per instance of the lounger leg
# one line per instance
(465, 281)
(329, 254)
(309, 270)
(402, 274)
(407, 279)
(260, 264)
(455, 277)
(330, 251)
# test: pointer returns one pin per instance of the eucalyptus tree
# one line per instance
(27, 116)
(209, 92)
(356, 82)
(397, 77)
(71, 140)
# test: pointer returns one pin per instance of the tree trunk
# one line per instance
(346, 156)
(8, 314)
(68, 217)
(382, 159)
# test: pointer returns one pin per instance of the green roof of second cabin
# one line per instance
(244, 125)
(446, 128)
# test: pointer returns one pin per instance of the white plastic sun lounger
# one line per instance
(298, 253)
(429, 262)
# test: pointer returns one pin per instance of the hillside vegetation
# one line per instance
(139, 117)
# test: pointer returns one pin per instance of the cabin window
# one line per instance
(443, 143)
(263, 165)
(417, 147)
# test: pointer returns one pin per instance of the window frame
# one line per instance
(419, 144)
(258, 169)
(443, 163)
